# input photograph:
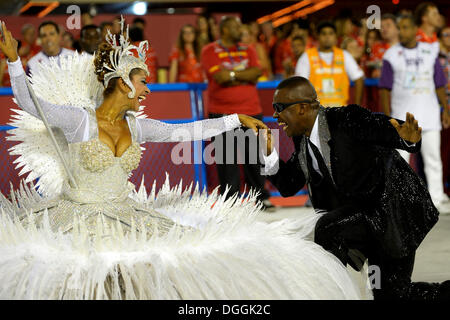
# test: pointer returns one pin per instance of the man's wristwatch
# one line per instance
(232, 76)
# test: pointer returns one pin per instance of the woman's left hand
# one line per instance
(252, 123)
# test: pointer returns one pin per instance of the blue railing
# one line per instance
(197, 110)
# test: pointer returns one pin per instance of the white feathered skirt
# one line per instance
(228, 254)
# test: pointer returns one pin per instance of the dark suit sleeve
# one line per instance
(289, 179)
(371, 128)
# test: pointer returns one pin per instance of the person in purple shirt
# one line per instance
(412, 80)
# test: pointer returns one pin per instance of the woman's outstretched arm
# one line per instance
(158, 131)
(68, 118)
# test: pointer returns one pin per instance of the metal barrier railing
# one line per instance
(197, 111)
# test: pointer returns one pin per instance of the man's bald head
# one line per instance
(301, 106)
(299, 87)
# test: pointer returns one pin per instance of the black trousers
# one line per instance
(345, 229)
(229, 173)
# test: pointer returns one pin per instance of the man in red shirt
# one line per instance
(232, 70)
(428, 18)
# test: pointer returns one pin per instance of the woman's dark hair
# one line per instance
(210, 35)
(136, 34)
(421, 10)
(367, 49)
(181, 45)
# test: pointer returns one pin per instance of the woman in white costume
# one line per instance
(88, 234)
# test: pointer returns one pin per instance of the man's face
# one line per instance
(188, 34)
(28, 35)
(298, 47)
(267, 29)
(245, 36)
(407, 31)
(234, 30)
(445, 37)
(50, 40)
(293, 119)
(389, 29)
(90, 40)
(327, 38)
(432, 16)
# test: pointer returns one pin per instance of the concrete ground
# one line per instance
(432, 258)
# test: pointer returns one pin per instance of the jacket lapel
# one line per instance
(302, 158)
(325, 137)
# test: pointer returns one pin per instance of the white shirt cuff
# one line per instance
(15, 68)
(270, 166)
(232, 122)
(408, 144)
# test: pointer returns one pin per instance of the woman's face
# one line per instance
(202, 24)
(188, 34)
(245, 36)
(140, 84)
(371, 39)
(67, 41)
(254, 28)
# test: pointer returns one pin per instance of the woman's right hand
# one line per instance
(8, 44)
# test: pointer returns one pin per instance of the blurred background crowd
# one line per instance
(278, 48)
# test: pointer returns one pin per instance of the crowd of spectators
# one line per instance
(278, 49)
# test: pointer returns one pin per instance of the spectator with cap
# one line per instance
(50, 36)
(330, 69)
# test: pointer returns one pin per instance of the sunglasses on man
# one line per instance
(280, 106)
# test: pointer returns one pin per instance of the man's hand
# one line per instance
(222, 76)
(410, 130)
(267, 134)
(446, 119)
(252, 123)
(8, 45)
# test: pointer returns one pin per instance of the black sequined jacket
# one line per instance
(367, 173)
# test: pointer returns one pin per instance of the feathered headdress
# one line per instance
(122, 58)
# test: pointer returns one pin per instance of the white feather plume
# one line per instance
(231, 255)
(71, 82)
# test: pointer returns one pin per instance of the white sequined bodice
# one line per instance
(100, 176)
